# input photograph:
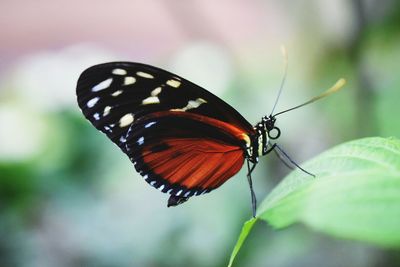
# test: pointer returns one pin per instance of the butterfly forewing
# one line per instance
(114, 95)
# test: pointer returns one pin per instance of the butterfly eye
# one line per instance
(274, 133)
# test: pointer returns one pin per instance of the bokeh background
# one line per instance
(69, 197)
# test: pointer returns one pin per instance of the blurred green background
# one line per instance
(69, 197)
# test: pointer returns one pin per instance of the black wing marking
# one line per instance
(114, 95)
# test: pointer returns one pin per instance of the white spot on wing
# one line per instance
(103, 85)
(196, 103)
(156, 91)
(116, 93)
(179, 193)
(106, 111)
(129, 80)
(161, 187)
(145, 176)
(122, 139)
(96, 116)
(145, 75)
(174, 83)
(151, 100)
(140, 141)
(119, 72)
(126, 120)
(92, 102)
(150, 124)
(191, 104)
(152, 183)
(187, 193)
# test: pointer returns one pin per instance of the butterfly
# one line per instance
(181, 139)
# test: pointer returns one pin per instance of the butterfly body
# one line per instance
(182, 139)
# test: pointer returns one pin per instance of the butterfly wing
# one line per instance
(114, 95)
(181, 138)
(185, 154)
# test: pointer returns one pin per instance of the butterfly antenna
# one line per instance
(336, 87)
(285, 62)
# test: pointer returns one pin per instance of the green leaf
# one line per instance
(355, 195)
(242, 237)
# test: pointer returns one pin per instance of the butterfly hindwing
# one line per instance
(185, 154)
(114, 95)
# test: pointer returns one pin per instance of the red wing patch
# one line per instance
(194, 162)
(185, 154)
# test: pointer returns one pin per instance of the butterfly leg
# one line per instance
(284, 160)
(253, 195)
(283, 157)
(272, 148)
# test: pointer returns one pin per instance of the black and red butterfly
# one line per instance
(182, 139)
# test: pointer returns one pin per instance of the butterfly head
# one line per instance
(265, 131)
(268, 123)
